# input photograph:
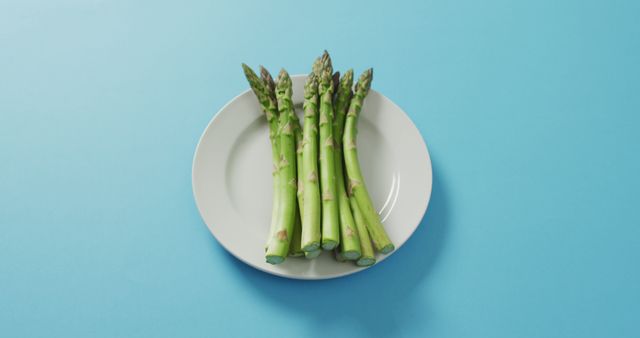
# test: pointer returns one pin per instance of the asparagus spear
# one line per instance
(270, 85)
(330, 221)
(349, 239)
(356, 181)
(299, 148)
(296, 242)
(281, 238)
(368, 257)
(311, 223)
(295, 250)
(309, 177)
(294, 247)
(266, 97)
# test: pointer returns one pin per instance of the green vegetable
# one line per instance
(294, 248)
(349, 239)
(368, 257)
(330, 220)
(280, 240)
(309, 176)
(357, 186)
(296, 242)
(264, 91)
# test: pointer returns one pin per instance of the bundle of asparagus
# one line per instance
(320, 201)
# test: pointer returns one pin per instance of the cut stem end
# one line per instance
(271, 259)
(387, 249)
(366, 261)
(329, 244)
(351, 255)
(312, 254)
(313, 246)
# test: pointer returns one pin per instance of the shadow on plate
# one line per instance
(383, 299)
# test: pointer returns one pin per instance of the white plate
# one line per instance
(233, 189)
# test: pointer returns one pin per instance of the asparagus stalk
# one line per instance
(349, 239)
(330, 220)
(299, 170)
(295, 250)
(263, 89)
(296, 241)
(357, 186)
(368, 257)
(280, 240)
(309, 176)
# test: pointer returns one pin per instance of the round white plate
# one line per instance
(233, 189)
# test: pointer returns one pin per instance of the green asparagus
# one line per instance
(357, 186)
(295, 250)
(280, 240)
(320, 200)
(309, 177)
(330, 220)
(294, 247)
(296, 242)
(266, 98)
(349, 239)
(299, 147)
(368, 257)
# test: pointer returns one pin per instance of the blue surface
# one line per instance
(530, 110)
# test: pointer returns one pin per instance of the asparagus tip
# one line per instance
(248, 72)
(316, 69)
(326, 82)
(283, 76)
(311, 82)
(283, 82)
(336, 80)
(347, 78)
(265, 74)
(326, 62)
(268, 81)
(364, 82)
(348, 73)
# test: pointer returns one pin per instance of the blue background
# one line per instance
(530, 110)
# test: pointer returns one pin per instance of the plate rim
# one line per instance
(304, 277)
